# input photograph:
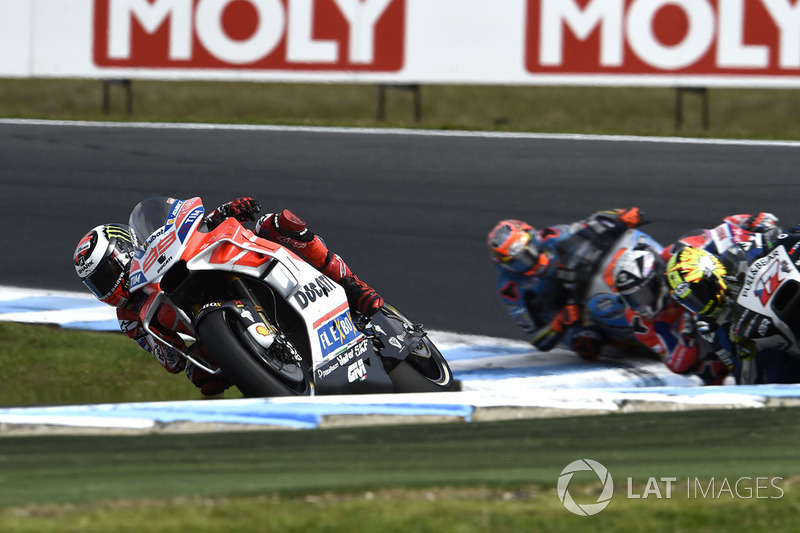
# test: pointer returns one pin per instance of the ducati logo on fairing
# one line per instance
(310, 292)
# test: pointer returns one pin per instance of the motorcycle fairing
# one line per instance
(320, 302)
(765, 281)
(726, 235)
(155, 252)
(355, 370)
(603, 305)
(336, 331)
(764, 277)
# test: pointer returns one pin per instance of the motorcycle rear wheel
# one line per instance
(425, 369)
(251, 375)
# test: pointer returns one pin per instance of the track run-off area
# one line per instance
(500, 379)
(409, 211)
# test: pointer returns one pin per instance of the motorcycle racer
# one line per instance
(543, 275)
(750, 233)
(705, 274)
(103, 257)
(658, 321)
(288, 229)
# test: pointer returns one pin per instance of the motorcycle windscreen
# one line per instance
(150, 215)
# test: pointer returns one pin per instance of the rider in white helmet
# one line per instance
(102, 261)
(658, 321)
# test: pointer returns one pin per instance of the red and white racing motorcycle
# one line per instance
(266, 319)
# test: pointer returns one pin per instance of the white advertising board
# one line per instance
(717, 43)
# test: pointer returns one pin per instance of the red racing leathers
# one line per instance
(284, 228)
(671, 336)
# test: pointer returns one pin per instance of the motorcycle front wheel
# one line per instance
(255, 372)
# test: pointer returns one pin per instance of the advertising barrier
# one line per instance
(724, 43)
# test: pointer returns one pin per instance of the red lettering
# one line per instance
(159, 248)
(329, 35)
(696, 37)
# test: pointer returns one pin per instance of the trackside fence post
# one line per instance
(414, 88)
(126, 84)
(702, 92)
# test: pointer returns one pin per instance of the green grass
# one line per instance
(451, 477)
(404, 512)
(734, 113)
(456, 477)
(490, 476)
(50, 365)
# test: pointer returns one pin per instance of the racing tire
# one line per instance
(253, 377)
(425, 369)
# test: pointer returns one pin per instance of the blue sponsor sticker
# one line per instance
(137, 279)
(188, 221)
(337, 333)
(174, 213)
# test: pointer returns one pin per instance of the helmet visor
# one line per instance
(703, 299)
(106, 278)
(646, 298)
(527, 260)
(697, 281)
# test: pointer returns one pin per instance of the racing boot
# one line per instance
(712, 371)
(360, 296)
(212, 386)
(290, 230)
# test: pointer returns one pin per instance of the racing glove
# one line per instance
(630, 217)
(547, 337)
(760, 222)
(569, 315)
(242, 209)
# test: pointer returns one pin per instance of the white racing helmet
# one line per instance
(639, 279)
(102, 261)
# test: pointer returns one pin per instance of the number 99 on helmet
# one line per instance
(696, 280)
(102, 261)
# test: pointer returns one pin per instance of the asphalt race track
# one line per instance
(408, 212)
